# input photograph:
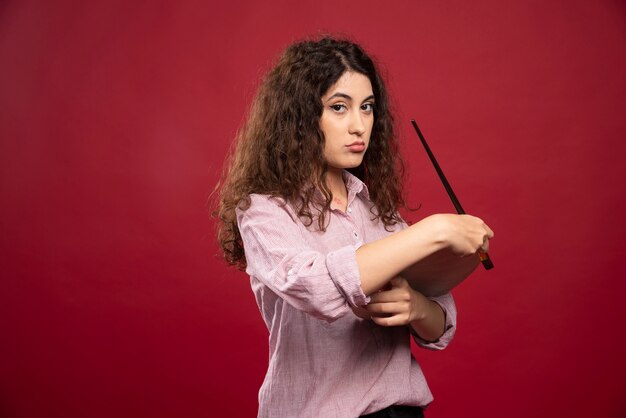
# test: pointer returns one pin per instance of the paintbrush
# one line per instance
(484, 257)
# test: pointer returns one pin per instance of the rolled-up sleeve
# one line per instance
(321, 284)
(449, 309)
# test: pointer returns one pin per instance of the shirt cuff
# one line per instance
(344, 272)
(450, 325)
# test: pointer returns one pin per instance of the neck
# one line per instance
(334, 181)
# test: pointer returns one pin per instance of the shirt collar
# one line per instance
(354, 186)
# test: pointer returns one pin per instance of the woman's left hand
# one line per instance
(399, 305)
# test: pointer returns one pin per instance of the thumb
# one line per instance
(397, 281)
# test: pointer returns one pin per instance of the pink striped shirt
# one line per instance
(324, 361)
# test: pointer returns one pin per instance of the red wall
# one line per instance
(115, 118)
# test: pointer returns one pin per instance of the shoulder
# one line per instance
(263, 206)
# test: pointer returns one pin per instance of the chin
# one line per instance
(347, 163)
(354, 162)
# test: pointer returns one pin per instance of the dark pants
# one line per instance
(397, 411)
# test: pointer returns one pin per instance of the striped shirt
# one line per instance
(324, 361)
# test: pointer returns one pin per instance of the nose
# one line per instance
(357, 125)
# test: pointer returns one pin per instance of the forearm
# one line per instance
(431, 325)
(381, 260)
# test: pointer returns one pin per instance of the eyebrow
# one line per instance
(347, 97)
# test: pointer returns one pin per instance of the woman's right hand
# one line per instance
(462, 234)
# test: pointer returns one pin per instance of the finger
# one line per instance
(386, 308)
(391, 321)
(485, 247)
(397, 281)
(394, 295)
(484, 226)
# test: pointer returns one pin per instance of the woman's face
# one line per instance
(347, 120)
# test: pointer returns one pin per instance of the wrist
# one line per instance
(431, 325)
(421, 307)
(432, 232)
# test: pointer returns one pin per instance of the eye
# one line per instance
(367, 107)
(339, 107)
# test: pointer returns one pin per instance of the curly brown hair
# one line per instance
(279, 149)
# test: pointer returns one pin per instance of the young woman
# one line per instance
(308, 207)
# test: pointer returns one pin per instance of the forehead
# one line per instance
(353, 84)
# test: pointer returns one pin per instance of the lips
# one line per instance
(357, 146)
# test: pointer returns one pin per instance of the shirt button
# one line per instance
(349, 210)
(356, 235)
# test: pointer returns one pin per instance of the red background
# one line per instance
(115, 118)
